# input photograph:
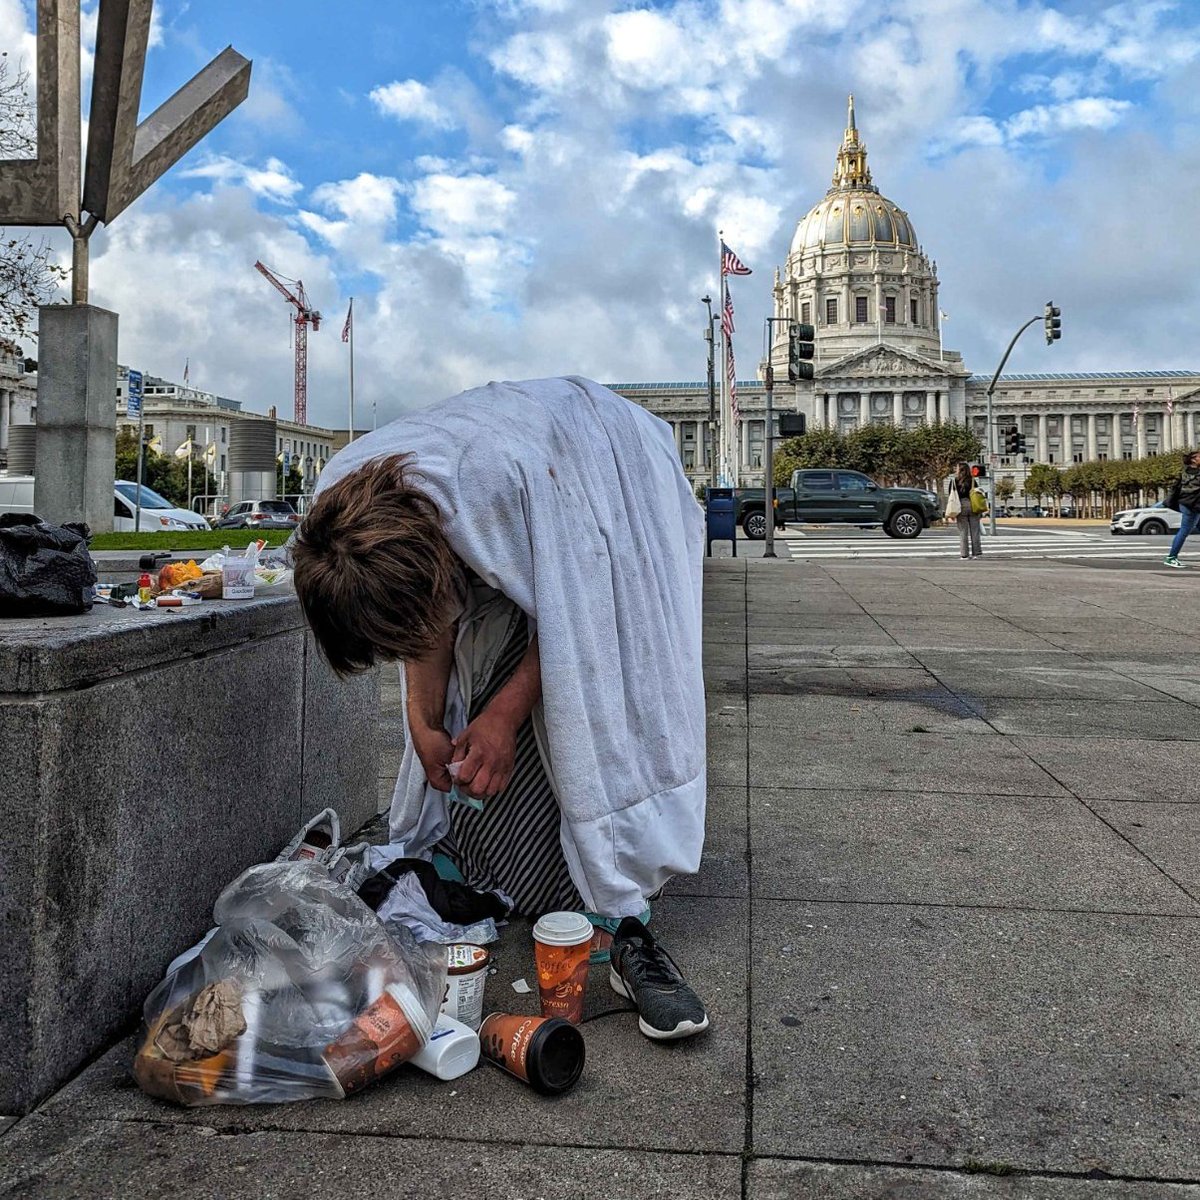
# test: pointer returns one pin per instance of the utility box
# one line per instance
(720, 518)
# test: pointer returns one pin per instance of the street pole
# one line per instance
(991, 438)
(769, 479)
(137, 513)
(712, 393)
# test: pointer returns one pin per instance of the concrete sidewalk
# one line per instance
(946, 925)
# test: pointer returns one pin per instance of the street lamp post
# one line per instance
(991, 428)
(712, 393)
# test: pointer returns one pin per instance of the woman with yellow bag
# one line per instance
(967, 504)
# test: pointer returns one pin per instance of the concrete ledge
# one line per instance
(149, 758)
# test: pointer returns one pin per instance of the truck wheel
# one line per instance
(754, 526)
(1153, 526)
(905, 523)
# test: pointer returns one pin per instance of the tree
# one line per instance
(28, 275)
(164, 473)
(1042, 481)
(1006, 488)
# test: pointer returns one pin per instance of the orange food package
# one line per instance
(174, 574)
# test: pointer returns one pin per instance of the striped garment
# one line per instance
(512, 845)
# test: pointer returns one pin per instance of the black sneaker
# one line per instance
(642, 971)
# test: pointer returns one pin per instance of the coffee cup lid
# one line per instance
(562, 929)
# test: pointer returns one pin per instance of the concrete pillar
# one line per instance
(1178, 436)
(77, 415)
(944, 407)
(5, 417)
(1091, 437)
(898, 409)
(22, 450)
(1043, 438)
(1140, 440)
(864, 409)
(930, 408)
(1166, 440)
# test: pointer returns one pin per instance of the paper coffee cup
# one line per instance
(544, 1052)
(562, 945)
(384, 1035)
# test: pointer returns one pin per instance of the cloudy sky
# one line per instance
(513, 188)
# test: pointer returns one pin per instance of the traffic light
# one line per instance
(1012, 440)
(979, 470)
(1022, 444)
(792, 425)
(1053, 322)
(800, 350)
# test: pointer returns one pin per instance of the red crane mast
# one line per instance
(305, 315)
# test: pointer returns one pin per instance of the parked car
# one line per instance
(158, 513)
(260, 514)
(1145, 520)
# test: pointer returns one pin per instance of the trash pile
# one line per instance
(222, 576)
(45, 570)
(333, 965)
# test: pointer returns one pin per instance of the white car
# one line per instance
(158, 513)
(1145, 520)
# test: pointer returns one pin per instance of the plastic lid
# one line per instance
(563, 929)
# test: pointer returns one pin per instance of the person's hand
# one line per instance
(434, 748)
(486, 750)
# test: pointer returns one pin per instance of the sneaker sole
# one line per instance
(682, 1030)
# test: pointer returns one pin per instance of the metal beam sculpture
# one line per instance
(123, 157)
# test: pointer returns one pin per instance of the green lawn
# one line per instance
(213, 539)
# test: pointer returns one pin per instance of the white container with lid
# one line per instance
(466, 978)
(452, 1050)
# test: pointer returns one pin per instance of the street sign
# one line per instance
(133, 395)
(287, 461)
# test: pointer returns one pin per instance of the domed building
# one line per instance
(857, 273)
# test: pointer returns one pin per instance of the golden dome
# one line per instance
(853, 212)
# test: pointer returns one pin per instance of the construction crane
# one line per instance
(305, 315)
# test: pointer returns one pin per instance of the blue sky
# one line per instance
(512, 188)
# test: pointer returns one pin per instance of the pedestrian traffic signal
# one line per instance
(800, 350)
(1053, 321)
(979, 470)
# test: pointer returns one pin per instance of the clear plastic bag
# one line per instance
(299, 993)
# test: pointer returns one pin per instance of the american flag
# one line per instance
(1135, 416)
(187, 362)
(731, 264)
(727, 314)
(1170, 401)
(349, 322)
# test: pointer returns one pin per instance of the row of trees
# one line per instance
(1099, 489)
(918, 457)
(164, 473)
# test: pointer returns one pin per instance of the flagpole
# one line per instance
(726, 417)
(350, 322)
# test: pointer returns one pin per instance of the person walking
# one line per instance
(967, 505)
(1184, 497)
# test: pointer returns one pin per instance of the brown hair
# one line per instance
(375, 574)
(962, 475)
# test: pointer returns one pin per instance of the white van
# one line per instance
(158, 513)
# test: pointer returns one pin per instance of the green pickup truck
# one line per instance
(837, 497)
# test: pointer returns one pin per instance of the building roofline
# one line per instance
(1088, 375)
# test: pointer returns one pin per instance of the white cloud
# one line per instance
(1088, 112)
(411, 100)
(462, 203)
(273, 181)
(367, 198)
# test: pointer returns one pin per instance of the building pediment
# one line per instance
(886, 362)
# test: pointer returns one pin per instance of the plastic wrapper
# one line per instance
(300, 992)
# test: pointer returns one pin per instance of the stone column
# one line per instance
(1140, 439)
(1091, 437)
(1178, 436)
(1043, 442)
(944, 406)
(930, 408)
(864, 408)
(898, 409)
(77, 416)
(5, 417)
